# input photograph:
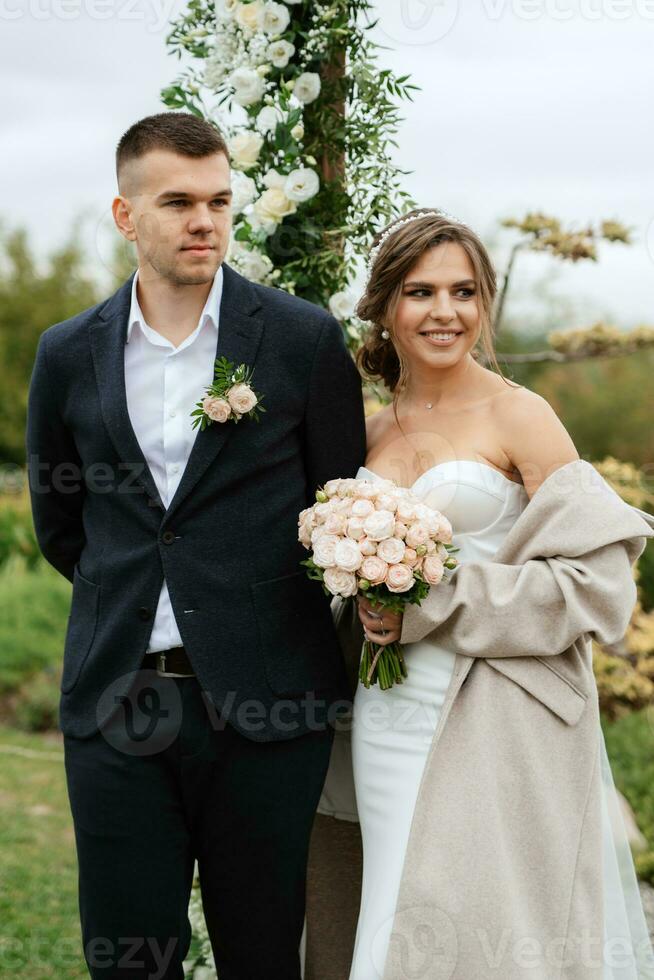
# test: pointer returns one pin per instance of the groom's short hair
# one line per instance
(179, 132)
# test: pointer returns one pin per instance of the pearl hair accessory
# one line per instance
(374, 252)
(385, 335)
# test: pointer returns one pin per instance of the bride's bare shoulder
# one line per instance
(378, 424)
(533, 436)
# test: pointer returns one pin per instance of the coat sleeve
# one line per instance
(538, 608)
(335, 432)
(55, 473)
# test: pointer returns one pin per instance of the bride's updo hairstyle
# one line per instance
(395, 250)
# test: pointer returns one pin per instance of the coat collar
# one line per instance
(239, 336)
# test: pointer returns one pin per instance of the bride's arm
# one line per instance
(541, 606)
(538, 608)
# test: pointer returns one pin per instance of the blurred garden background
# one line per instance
(579, 350)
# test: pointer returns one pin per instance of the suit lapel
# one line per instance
(239, 335)
(107, 336)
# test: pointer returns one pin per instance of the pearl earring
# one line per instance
(385, 334)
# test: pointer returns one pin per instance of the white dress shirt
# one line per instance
(163, 384)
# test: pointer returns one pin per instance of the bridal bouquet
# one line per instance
(381, 541)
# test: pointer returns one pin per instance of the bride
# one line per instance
(492, 841)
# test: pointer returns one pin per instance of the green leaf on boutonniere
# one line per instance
(231, 396)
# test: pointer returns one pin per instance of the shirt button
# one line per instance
(168, 537)
(145, 613)
(174, 468)
(172, 415)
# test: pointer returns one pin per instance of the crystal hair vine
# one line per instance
(374, 252)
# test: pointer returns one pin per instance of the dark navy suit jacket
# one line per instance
(255, 628)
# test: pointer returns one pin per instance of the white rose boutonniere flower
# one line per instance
(229, 398)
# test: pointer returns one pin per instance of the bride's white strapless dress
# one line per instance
(393, 730)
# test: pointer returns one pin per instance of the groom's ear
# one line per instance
(122, 211)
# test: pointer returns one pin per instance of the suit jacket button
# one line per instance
(168, 537)
(145, 613)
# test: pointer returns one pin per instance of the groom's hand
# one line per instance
(379, 625)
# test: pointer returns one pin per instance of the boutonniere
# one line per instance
(229, 398)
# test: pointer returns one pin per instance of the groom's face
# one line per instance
(178, 211)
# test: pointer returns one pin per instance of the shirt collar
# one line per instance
(210, 312)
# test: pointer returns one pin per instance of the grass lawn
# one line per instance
(40, 933)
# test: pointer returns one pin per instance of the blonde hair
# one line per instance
(378, 357)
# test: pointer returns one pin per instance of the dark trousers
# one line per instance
(166, 783)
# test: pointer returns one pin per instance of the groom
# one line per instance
(201, 670)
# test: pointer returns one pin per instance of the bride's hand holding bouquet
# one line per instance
(377, 542)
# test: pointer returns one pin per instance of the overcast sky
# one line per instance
(525, 104)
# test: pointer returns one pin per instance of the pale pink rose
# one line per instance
(365, 490)
(431, 547)
(400, 530)
(379, 525)
(355, 528)
(305, 536)
(331, 487)
(444, 531)
(306, 517)
(367, 547)
(321, 512)
(317, 533)
(391, 550)
(432, 569)
(336, 524)
(324, 550)
(405, 510)
(399, 578)
(347, 487)
(217, 409)
(340, 583)
(417, 535)
(341, 506)
(361, 508)
(410, 558)
(422, 512)
(442, 552)
(242, 398)
(374, 569)
(347, 555)
(385, 501)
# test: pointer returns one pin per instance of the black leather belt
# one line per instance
(173, 661)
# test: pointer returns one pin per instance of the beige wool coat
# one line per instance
(502, 876)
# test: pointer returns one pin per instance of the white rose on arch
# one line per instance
(341, 305)
(276, 18)
(280, 53)
(272, 178)
(248, 86)
(253, 265)
(302, 184)
(307, 87)
(267, 119)
(244, 192)
(250, 15)
(274, 204)
(267, 225)
(244, 149)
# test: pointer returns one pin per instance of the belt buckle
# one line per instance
(161, 664)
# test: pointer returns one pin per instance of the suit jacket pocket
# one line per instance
(542, 680)
(296, 634)
(82, 624)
